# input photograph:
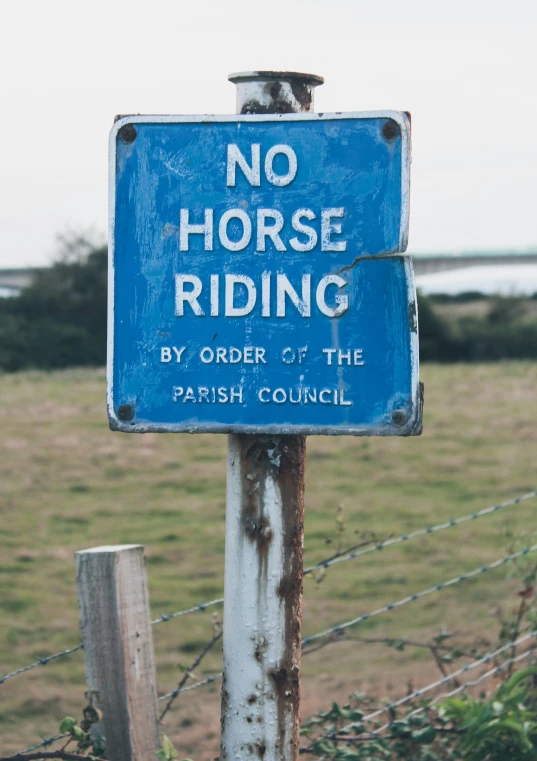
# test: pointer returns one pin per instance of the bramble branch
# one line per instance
(60, 754)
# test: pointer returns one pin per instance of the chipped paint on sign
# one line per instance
(255, 284)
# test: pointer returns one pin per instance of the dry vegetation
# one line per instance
(67, 483)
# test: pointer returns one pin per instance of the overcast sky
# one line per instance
(465, 69)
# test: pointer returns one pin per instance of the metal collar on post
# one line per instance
(274, 92)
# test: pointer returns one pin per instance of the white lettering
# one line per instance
(252, 174)
(265, 294)
(301, 354)
(189, 396)
(310, 396)
(279, 396)
(288, 355)
(235, 355)
(236, 391)
(303, 395)
(186, 229)
(329, 353)
(214, 295)
(189, 289)
(190, 296)
(300, 227)
(281, 180)
(342, 301)
(165, 354)
(342, 400)
(246, 229)
(206, 355)
(329, 228)
(209, 394)
(231, 282)
(270, 231)
(283, 287)
(322, 395)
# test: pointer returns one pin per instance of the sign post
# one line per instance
(257, 288)
(264, 541)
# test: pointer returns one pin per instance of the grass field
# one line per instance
(67, 483)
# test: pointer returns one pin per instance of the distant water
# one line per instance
(500, 279)
(6, 292)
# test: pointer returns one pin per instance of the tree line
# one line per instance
(59, 320)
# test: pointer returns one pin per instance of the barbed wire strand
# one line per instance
(384, 609)
(50, 740)
(374, 548)
(39, 662)
(423, 532)
(178, 691)
(352, 555)
(45, 743)
(196, 609)
(334, 629)
(208, 647)
(472, 683)
(323, 564)
(445, 695)
(419, 595)
(441, 682)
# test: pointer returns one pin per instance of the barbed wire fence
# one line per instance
(335, 632)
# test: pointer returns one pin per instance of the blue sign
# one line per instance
(256, 282)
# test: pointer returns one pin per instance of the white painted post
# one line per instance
(264, 539)
(118, 649)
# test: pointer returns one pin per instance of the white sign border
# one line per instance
(414, 422)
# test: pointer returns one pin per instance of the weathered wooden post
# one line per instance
(118, 649)
(264, 540)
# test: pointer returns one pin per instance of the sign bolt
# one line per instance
(391, 130)
(125, 412)
(127, 134)
(399, 417)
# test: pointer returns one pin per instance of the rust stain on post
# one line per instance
(264, 540)
(263, 598)
(283, 460)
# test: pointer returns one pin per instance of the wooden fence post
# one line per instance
(118, 649)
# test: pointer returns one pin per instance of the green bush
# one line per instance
(504, 332)
(60, 319)
(501, 728)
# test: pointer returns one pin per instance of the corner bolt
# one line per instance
(125, 412)
(127, 133)
(390, 130)
(399, 417)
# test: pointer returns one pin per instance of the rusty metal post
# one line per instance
(264, 540)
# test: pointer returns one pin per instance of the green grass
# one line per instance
(68, 483)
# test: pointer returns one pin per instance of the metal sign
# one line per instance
(255, 284)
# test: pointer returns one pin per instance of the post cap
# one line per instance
(285, 76)
(274, 92)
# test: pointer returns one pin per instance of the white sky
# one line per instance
(465, 69)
